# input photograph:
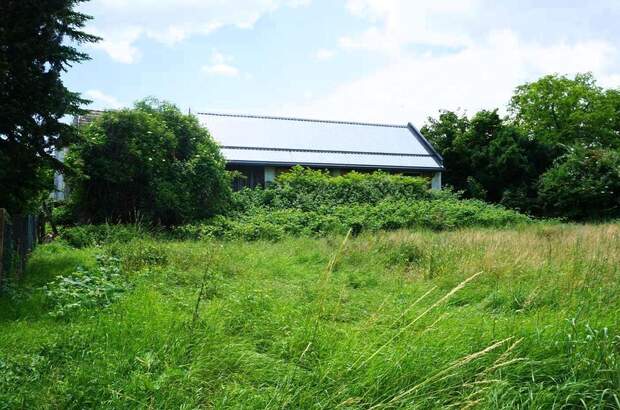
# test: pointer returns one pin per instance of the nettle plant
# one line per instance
(87, 289)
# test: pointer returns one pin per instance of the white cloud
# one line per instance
(483, 75)
(398, 23)
(220, 65)
(119, 45)
(447, 54)
(323, 54)
(102, 100)
(122, 23)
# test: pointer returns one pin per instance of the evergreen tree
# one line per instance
(38, 43)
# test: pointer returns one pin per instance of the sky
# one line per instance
(386, 61)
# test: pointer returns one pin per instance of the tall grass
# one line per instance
(475, 318)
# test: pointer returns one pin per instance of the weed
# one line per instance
(398, 319)
(86, 289)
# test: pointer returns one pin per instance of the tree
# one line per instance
(442, 132)
(583, 184)
(152, 163)
(488, 158)
(559, 110)
(37, 44)
(552, 120)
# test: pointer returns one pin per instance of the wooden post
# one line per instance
(2, 222)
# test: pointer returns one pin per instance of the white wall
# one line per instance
(436, 181)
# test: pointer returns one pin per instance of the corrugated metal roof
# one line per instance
(327, 158)
(277, 140)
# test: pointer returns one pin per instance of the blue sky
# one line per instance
(368, 60)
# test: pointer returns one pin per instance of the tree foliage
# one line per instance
(37, 44)
(488, 158)
(519, 160)
(150, 162)
(583, 184)
(559, 110)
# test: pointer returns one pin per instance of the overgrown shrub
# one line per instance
(307, 202)
(312, 203)
(149, 163)
(308, 189)
(82, 236)
(63, 214)
(271, 224)
(585, 184)
(86, 289)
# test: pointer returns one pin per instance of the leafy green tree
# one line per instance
(488, 158)
(584, 184)
(37, 44)
(442, 132)
(502, 159)
(152, 163)
(559, 110)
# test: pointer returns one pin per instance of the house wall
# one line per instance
(436, 181)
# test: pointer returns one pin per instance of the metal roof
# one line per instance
(286, 141)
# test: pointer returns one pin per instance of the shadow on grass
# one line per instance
(24, 300)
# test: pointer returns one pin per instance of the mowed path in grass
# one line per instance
(477, 318)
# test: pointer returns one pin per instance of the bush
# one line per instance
(270, 224)
(584, 184)
(151, 163)
(309, 202)
(63, 214)
(83, 236)
(85, 289)
(308, 189)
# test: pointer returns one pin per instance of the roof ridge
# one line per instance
(331, 151)
(271, 117)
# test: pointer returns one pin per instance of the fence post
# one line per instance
(2, 221)
(18, 238)
(24, 240)
(6, 246)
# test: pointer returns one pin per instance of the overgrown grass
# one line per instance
(274, 224)
(474, 318)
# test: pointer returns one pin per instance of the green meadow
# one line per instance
(526, 317)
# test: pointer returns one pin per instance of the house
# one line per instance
(260, 147)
